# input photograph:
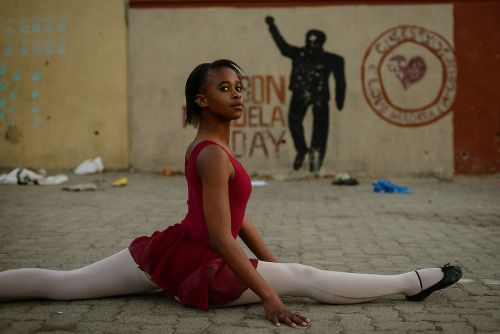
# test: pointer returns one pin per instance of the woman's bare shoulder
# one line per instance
(212, 154)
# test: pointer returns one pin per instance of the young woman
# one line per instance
(199, 261)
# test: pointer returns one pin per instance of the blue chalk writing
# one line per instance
(34, 93)
(3, 68)
(36, 122)
(34, 108)
(36, 75)
(17, 75)
(31, 30)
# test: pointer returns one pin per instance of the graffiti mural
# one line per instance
(295, 84)
(409, 76)
(311, 69)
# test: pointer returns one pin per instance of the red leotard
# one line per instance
(181, 260)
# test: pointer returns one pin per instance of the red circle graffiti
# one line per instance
(376, 93)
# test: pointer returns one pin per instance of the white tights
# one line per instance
(292, 279)
(115, 275)
(119, 275)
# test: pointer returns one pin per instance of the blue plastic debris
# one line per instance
(386, 186)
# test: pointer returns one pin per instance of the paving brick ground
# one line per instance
(308, 221)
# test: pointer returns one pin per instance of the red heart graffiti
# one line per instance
(407, 72)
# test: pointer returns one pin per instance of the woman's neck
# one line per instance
(217, 132)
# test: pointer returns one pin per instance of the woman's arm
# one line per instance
(251, 238)
(215, 170)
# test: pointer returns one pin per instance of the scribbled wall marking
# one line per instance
(22, 38)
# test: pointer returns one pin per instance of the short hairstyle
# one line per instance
(195, 82)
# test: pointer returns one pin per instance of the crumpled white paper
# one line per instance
(90, 166)
(28, 177)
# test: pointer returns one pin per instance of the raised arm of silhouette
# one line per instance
(286, 49)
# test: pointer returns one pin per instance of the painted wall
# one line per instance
(418, 101)
(399, 67)
(63, 83)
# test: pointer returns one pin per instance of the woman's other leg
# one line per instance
(115, 275)
(291, 279)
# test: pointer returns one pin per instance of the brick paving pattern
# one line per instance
(310, 221)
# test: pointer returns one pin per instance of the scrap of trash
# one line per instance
(344, 179)
(386, 186)
(90, 166)
(168, 171)
(121, 182)
(96, 185)
(84, 187)
(25, 176)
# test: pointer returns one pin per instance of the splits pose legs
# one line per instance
(119, 275)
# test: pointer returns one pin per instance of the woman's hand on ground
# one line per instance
(276, 312)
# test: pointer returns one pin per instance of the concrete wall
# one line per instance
(392, 122)
(63, 83)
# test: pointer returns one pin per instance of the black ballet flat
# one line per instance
(452, 275)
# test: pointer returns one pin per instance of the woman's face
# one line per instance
(222, 94)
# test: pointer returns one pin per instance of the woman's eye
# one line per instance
(226, 89)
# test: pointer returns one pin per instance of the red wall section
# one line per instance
(476, 118)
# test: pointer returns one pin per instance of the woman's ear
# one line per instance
(201, 101)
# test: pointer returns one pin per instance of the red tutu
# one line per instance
(187, 269)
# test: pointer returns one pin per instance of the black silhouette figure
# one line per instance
(311, 68)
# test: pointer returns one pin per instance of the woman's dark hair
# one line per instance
(195, 82)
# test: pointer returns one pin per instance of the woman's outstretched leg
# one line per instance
(291, 279)
(115, 275)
